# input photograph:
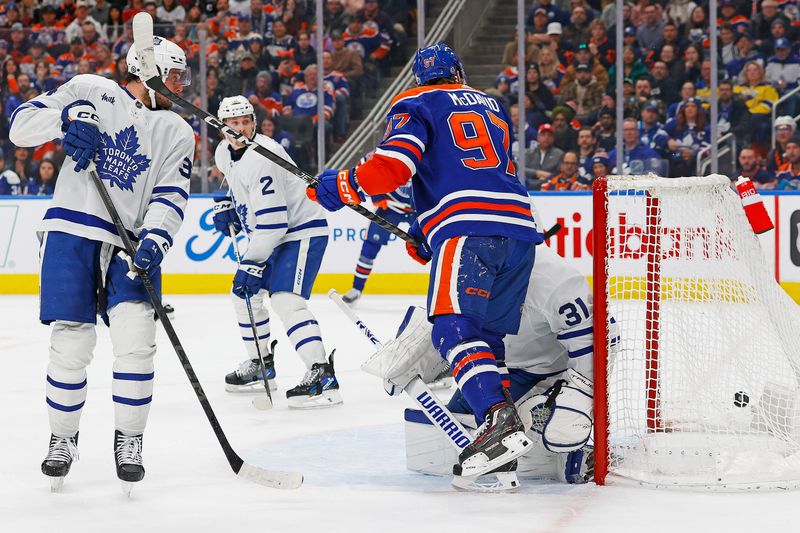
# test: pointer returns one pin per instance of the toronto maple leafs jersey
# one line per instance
(556, 330)
(456, 143)
(145, 161)
(270, 201)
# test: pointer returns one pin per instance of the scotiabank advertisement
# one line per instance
(202, 260)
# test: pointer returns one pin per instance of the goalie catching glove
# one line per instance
(562, 416)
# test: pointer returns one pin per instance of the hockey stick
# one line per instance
(552, 231)
(435, 410)
(143, 33)
(260, 402)
(269, 478)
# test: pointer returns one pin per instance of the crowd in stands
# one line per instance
(570, 93)
(263, 49)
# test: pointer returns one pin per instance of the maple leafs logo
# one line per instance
(119, 162)
(241, 210)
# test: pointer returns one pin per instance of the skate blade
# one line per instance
(497, 482)
(444, 383)
(515, 444)
(262, 403)
(328, 398)
(56, 483)
(127, 487)
(251, 388)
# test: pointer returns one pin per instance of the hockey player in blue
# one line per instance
(394, 207)
(143, 153)
(474, 224)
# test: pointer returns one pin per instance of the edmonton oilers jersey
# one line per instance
(456, 142)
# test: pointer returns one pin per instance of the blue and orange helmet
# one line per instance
(437, 61)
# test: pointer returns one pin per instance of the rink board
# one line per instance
(202, 262)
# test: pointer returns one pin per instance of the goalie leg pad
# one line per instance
(133, 338)
(71, 350)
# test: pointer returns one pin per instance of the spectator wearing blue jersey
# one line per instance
(788, 176)
(43, 182)
(637, 158)
(783, 72)
(530, 133)
(688, 90)
(651, 132)
(554, 13)
(303, 99)
(10, 183)
(689, 133)
(749, 167)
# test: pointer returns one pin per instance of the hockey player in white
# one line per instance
(287, 236)
(143, 154)
(549, 359)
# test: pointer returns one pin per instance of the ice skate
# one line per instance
(501, 479)
(500, 440)
(444, 380)
(61, 453)
(319, 388)
(248, 378)
(128, 458)
(351, 296)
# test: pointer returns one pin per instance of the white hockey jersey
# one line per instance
(145, 161)
(555, 332)
(270, 201)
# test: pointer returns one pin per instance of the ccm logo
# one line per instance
(344, 187)
(474, 291)
(86, 114)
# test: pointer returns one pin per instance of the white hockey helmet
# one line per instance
(235, 106)
(169, 56)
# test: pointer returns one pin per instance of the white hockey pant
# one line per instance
(301, 326)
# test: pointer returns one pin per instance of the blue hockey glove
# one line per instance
(422, 252)
(247, 280)
(80, 125)
(153, 245)
(336, 188)
(225, 214)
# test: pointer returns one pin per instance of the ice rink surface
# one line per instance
(353, 457)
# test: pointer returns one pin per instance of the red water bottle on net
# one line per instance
(753, 206)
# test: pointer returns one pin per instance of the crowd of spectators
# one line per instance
(263, 49)
(570, 93)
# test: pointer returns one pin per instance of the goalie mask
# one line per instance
(170, 60)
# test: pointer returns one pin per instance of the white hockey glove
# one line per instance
(562, 416)
(409, 355)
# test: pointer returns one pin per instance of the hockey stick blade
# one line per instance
(145, 52)
(156, 84)
(271, 478)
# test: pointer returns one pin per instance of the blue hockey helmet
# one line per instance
(437, 61)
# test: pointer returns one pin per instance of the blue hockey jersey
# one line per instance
(456, 143)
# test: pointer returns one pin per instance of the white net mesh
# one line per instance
(704, 346)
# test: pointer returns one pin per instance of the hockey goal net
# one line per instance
(697, 358)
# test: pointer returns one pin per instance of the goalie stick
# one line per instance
(269, 478)
(142, 27)
(260, 402)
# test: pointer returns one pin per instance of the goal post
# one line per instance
(697, 348)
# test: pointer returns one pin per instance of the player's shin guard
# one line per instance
(301, 327)
(133, 332)
(261, 317)
(71, 348)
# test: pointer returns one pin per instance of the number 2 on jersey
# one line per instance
(470, 132)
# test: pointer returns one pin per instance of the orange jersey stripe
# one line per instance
(425, 88)
(472, 205)
(407, 145)
(444, 305)
(381, 174)
(472, 357)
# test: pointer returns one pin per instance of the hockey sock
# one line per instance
(369, 251)
(458, 339)
(71, 347)
(133, 333)
(261, 317)
(301, 327)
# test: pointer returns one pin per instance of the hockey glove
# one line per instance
(154, 244)
(421, 253)
(225, 214)
(247, 280)
(335, 189)
(80, 125)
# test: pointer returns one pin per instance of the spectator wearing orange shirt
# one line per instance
(67, 64)
(49, 31)
(265, 100)
(36, 53)
(92, 40)
(567, 179)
